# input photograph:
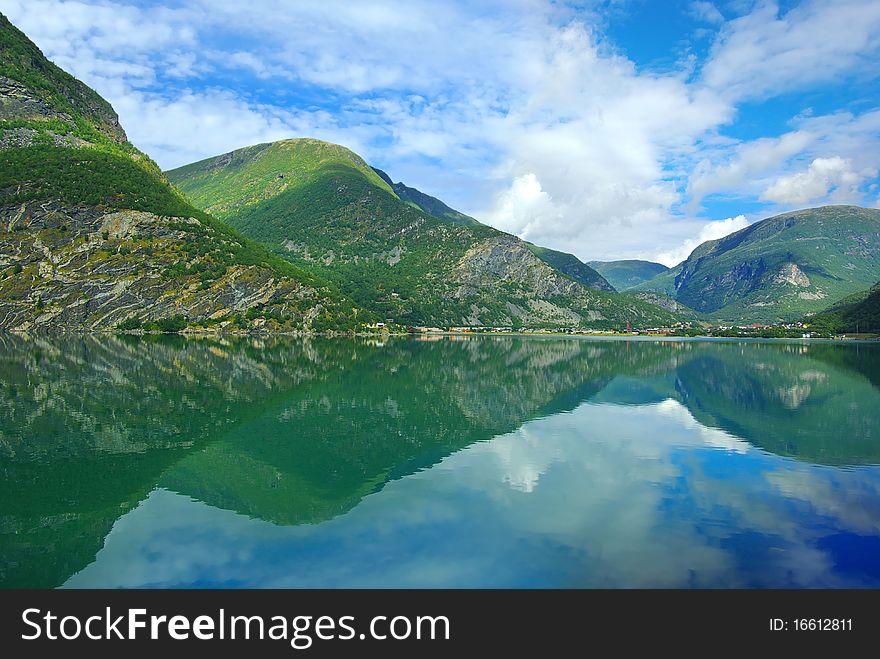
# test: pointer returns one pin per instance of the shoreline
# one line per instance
(604, 336)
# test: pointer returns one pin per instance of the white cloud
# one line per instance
(186, 128)
(596, 134)
(746, 163)
(524, 207)
(711, 231)
(817, 181)
(747, 169)
(706, 12)
(768, 51)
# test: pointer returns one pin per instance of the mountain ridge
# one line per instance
(319, 205)
(567, 264)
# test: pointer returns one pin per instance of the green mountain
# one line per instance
(780, 268)
(323, 208)
(92, 234)
(856, 313)
(626, 274)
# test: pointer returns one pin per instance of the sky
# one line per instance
(606, 128)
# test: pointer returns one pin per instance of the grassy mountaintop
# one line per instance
(324, 209)
(234, 181)
(780, 268)
(94, 236)
(628, 273)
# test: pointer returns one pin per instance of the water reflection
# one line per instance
(346, 463)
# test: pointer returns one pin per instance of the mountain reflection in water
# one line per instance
(492, 461)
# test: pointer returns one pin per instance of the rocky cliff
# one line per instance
(92, 235)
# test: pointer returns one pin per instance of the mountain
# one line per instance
(857, 313)
(325, 209)
(92, 235)
(567, 264)
(629, 273)
(780, 268)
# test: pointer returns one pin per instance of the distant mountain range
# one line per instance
(627, 274)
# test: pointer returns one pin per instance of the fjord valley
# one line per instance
(281, 366)
(92, 235)
(304, 236)
(413, 260)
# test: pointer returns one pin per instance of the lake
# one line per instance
(450, 462)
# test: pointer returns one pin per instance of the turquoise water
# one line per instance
(466, 462)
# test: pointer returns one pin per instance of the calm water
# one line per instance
(521, 462)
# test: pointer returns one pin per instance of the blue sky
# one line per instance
(611, 129)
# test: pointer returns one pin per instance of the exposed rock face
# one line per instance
(506, 259)
(793, 275)
(19, 102)
(505, 263)
(780, 268)
(663, 301)
(540, 293)
(83, 268)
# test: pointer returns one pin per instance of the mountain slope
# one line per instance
(780, 268)
(325, 209)
(628, 273)
(567, 264)
(33, 89)
(571, 266)
(856, 313)
(92, 235)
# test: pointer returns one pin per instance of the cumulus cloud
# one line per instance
(524, 207)
(710, 231)
(820, 178)
(745, 164)
(767, 50)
